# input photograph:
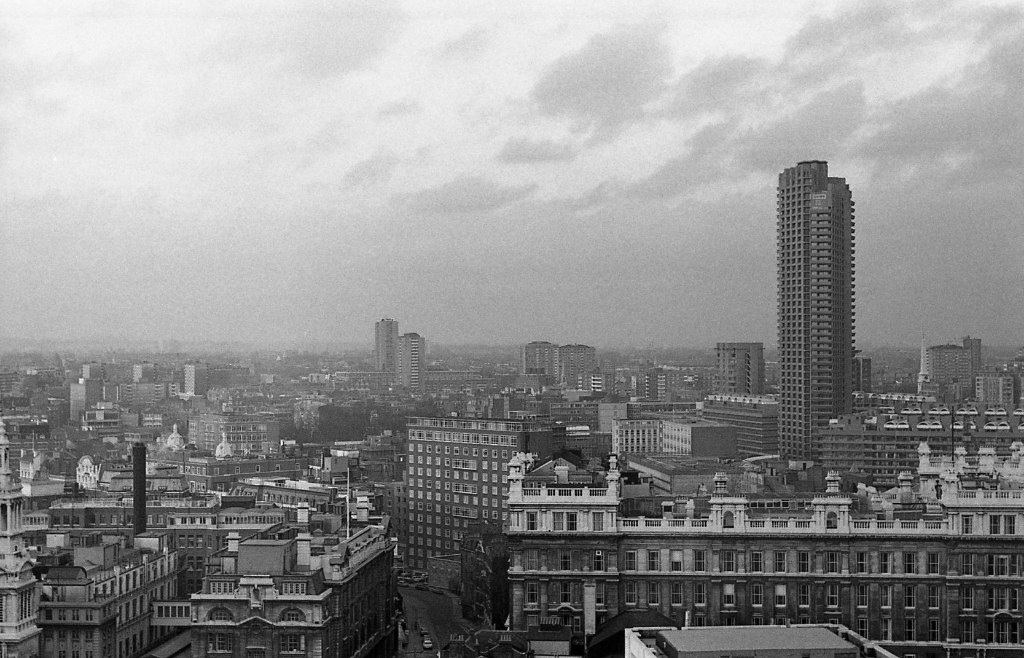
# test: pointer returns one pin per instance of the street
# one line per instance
(438, 613)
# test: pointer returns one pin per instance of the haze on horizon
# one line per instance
(495, 173)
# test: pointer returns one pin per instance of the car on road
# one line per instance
(428, 643)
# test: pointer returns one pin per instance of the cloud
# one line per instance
(314, 40)
(524, 150)
(398, 108)
(469, 194)
(818, 129)
(470, 44)
(373, 170)
(719, 85)
(605, 84)
(972, 127)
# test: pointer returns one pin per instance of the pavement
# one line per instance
(439, 614)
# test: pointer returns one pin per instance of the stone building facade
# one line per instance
(928, 570)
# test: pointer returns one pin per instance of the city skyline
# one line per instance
(499, 174)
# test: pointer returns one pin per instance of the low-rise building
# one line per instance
(279, 597)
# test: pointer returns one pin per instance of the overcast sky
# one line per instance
(600, 172)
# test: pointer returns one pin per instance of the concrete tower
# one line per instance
(385, 347)
(815, 297)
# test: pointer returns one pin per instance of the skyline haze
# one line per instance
(500, 173)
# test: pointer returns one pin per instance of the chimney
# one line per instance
(562, 474)
(303, 545)
(139, 486)
(906, 481)
(666, 509)
(832, 481)
(721, 484)
(303, 513)
(233, 539)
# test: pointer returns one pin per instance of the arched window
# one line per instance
(221, 614)
(728, 521)
(831, 521)
(293, 614)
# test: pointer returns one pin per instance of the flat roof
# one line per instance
(748, 638)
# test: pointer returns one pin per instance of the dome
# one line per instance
(175, 440)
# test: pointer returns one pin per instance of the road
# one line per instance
(435, 612)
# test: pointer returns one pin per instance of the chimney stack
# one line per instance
(139, 486)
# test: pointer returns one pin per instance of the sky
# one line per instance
(499, 172)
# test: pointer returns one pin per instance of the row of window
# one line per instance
(289, 643)
(883, 562)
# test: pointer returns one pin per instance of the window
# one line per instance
(532, 593)
(531, 520)
(570, 521)
(993, 524)
(292, 643)
(832, 595)
(862, 596)
(997, 565)
(933, 563)
(885, 562)
(597, 564)
(967, 524)
(933, 630)
(885, 628)
(909, 629)
(676, 561)
(677, 594)
(757, 594)
(886, 595)
(862, 626)
(565, 592)
(219, 643)
(909, 596)
(728, 594)
(221, 614)
(832, 562)
(967, 630)
(293, 615)
(630, 593)
(630, 561)
(780, 596)
(597, 521)
(967, 564)
(780, 561)
(653, 561)
(933, 596)
(532, 556)
(967, 598)
(558, 521)
(293, 588)
(756, 561)
(862, 562)
(700, 560)
(700, 594)
(653, 594)
(565, 560)
(803, 561)
(728, 562)
(1009, 524)
(910, 563)
(805, 596)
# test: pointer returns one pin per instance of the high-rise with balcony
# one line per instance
(815, 299)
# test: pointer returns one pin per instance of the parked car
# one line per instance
(428, 643)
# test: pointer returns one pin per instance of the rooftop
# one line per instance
(749, 638)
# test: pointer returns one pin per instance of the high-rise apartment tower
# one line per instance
(412, 350)
(740, 368)
(815, 297)
(385, 346)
